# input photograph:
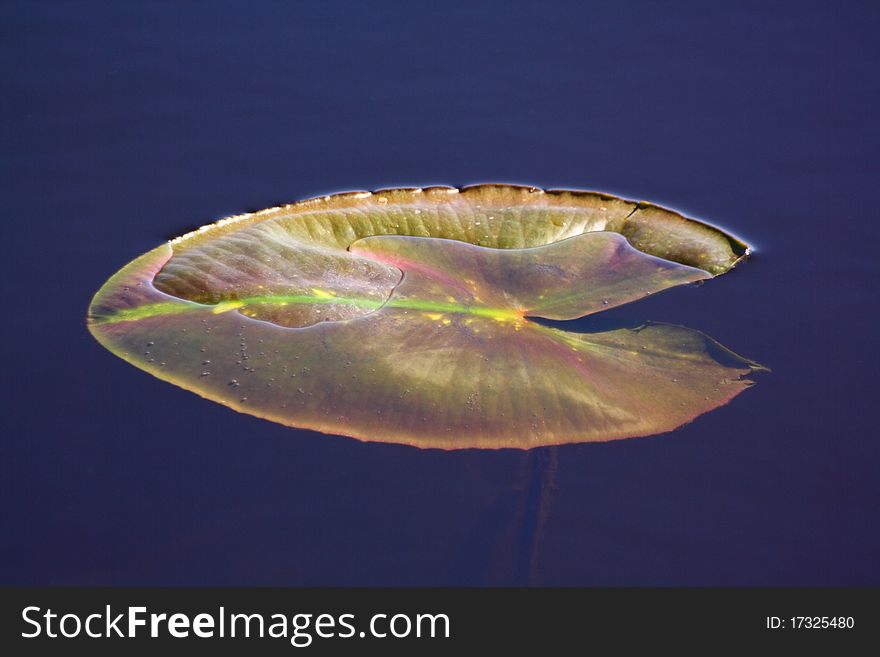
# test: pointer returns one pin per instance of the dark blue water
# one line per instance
(126, 123)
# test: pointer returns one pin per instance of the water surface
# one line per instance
(124, 125)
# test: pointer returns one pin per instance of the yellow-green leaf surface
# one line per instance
(407, 316)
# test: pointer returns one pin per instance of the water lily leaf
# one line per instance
(408, 316)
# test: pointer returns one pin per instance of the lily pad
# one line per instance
(408, 316)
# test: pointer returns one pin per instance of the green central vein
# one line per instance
(181, 307)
